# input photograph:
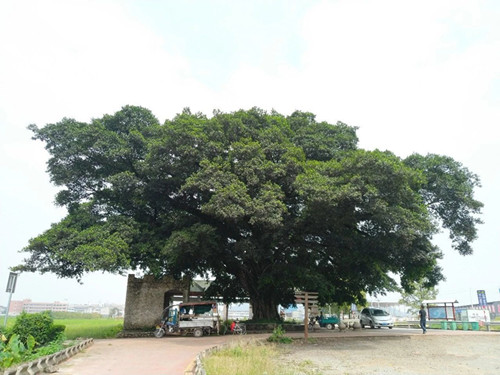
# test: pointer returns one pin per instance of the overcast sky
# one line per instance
(414, 76)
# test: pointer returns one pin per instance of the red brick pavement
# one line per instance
(139, 356)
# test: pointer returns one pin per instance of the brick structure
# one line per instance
(147, 297)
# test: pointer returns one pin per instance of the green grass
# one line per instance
(97, 328)
(102, 328)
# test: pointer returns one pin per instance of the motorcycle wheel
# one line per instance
(159, 332)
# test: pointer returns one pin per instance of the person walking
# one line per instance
(422, 314)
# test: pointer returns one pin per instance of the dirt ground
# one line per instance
(396, 355)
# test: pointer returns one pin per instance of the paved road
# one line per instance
(172, 355)
(140, 356)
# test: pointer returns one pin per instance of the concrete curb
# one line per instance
(47, 363)
(196, 367)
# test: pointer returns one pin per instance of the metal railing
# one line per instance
(489, 324)
(416, 324)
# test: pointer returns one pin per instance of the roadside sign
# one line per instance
(11, 284)
(310, 300)
(11, 287)
(481, 297)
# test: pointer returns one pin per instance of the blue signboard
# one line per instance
(437, 312)
(481, 297)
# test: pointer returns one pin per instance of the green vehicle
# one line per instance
(328, 321)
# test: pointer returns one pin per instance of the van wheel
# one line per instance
(329, 326)
(371, 325)
(198, 332)
(361, 324)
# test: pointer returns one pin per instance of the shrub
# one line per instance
(278, 336)
(55, 331)
(51, 348)
(40, 326)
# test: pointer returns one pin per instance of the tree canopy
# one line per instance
(261, 202)
(420, 292)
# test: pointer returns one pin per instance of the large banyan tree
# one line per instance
(261, 203)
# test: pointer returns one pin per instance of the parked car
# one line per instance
(374, 317)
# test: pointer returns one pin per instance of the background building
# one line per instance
(27, 305)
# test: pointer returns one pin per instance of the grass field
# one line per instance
(97, 328)
(91, 328)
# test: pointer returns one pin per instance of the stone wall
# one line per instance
(146, 299)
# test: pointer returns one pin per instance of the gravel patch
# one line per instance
(395, 355)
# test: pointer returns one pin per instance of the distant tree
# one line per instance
(420, 291)
(114, 312)
(263, 203)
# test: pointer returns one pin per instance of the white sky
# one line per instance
(413, 76)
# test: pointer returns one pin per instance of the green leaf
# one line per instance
(262, 202)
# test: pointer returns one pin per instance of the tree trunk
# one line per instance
(262, 298)
(264, 309)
